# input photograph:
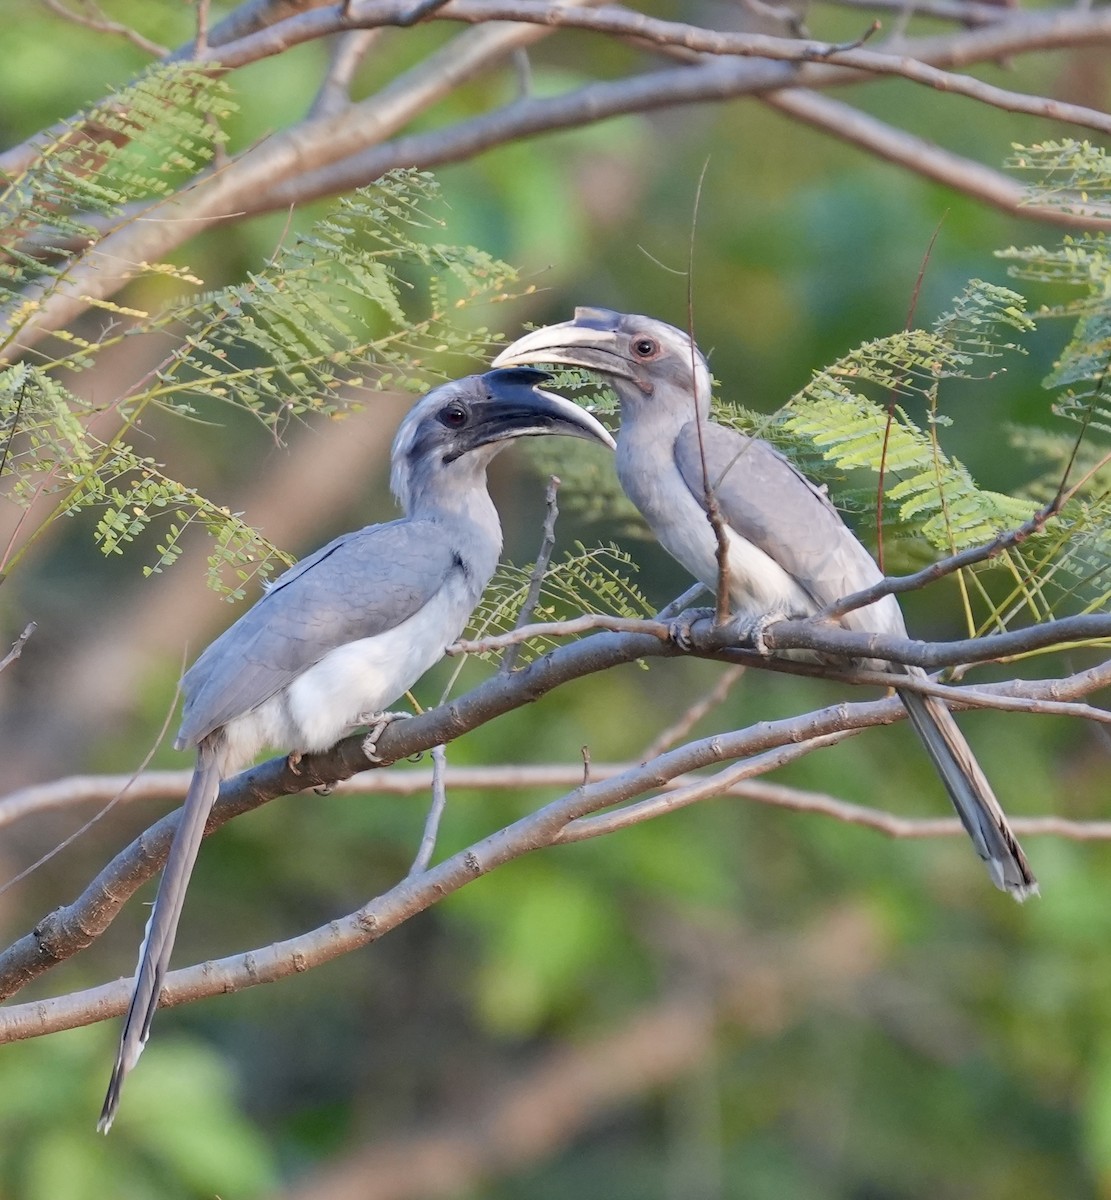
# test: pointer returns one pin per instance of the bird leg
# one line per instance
(378, 723)
(679, 629)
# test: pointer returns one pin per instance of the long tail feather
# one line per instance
(154, 953)
(972, 797)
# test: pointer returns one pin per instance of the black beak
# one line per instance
(516, 406)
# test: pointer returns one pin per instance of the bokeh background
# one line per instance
(728, 1002)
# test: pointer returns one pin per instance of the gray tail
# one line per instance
(972, 797)
(154, 953)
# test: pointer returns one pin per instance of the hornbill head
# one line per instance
(639, 356)
(481, 413)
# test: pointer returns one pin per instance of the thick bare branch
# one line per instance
(30, 957)
(545, 827)
(823, 637)
(325, 155)
(966, 11)
(312, 144)
(71, 928)
(626, 23)
(885, 141)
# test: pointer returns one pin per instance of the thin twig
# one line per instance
(892, 585)
(103, 812)
(347, 53)
(679, 729)
(536, 579)
(18, 644)
(599, 824)
(432, 822)
(102, 24)
(587, 623)
(201, 42)
(843, 47)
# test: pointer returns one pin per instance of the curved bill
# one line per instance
(516, 406)
(589, 341)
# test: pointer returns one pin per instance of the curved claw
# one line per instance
(679, 628)
(378, 723)
(752, 630)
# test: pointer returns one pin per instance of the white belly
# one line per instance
(338, 693)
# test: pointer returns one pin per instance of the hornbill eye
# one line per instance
(453, 415)
(645, 347)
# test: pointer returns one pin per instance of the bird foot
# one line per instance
(679, 629)
(292, 759)
(378, 723)
(752, 630)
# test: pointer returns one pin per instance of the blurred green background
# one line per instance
(728, 1002)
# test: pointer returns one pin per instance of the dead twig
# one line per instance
(536, 579)
(18, 644)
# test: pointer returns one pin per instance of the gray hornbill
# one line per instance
(349, 629)
(789, 552)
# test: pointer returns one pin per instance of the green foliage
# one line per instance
(367, 299)
(51, 451)
(360, 302)
(1075, 555)
(595, 580)
(853, 416)
(131, 149)
(1063, 173)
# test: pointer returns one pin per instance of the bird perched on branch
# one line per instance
(349, 629)
(788, 552)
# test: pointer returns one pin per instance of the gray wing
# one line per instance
(766, 500)
(357, 586)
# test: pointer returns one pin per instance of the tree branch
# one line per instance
(70, 929)
(929, 160)
(709, 639)
(324, 155)
(547, 826)
(18, 644)
(102, 24)
(536, 579)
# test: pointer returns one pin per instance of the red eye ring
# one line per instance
(645, 347)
